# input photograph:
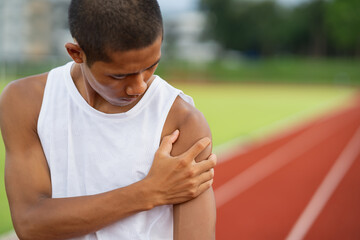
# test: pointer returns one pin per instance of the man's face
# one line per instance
(124, 79)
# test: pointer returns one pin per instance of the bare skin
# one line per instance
(174, 178)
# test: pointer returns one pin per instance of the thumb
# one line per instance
(168, 141)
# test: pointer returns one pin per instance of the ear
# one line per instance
(75, 52)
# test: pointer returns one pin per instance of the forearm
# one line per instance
(63, 218)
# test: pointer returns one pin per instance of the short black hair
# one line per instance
(100, 26)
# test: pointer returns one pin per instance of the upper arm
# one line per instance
(194, 219)
(27, 176)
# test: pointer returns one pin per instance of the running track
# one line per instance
(304, 184)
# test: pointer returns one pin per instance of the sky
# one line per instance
(175, 6)
(171, 6)
(291, 2)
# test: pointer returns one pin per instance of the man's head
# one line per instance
(118, 47)
(104, 26)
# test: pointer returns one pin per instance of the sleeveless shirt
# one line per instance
(90, 152)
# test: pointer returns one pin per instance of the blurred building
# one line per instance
(183, 37)
(33, 29)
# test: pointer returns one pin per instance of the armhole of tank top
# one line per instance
(187, 98)
(44, 103)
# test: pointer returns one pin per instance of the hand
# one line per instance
(178, 179)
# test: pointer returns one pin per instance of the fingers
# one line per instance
(203, 183)
(205, 165)
(196, 149)
(206, 176)
(205, 186)
(167, 142)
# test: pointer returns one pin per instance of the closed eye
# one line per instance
(118, 77)
(122, 76)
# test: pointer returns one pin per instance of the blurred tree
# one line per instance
(248, 26)
(316, 27)
(306, 30)
(343, 20)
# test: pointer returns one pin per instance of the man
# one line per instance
(82, 141)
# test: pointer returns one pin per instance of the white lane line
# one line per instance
(273, 162)
(326, 188)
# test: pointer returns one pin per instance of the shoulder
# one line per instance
(26, 88)
(183, 114)
(23, 97)
(186, 113)
(191, 123)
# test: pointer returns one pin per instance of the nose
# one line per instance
(136, 86)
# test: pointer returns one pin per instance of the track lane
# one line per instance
(340, 219)
(268, 209)
(327, 187)
(228, 169)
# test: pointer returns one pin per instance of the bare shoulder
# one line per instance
(23, 96)
(182, 114)
(191, 123)
(187, 112)
(29, 88)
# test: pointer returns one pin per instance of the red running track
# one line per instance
(301, 185)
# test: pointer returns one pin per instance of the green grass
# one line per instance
(5, 221)
(238, 110)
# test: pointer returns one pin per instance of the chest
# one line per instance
(87, 155)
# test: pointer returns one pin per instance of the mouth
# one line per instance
(122, 101)
(128, 99)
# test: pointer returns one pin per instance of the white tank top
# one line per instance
(91, 152)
